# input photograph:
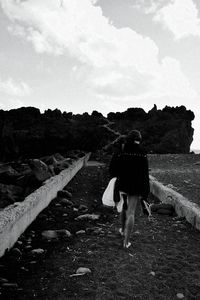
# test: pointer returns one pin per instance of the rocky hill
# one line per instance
(25, 132)
(164, 131)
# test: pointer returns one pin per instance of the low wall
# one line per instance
(183, 207)
(15, 218)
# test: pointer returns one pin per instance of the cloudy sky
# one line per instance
(105, 55)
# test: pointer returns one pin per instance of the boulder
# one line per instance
(58, 156)
(62, 165)
(50, 160)
(10, 194)
(52, 163)
(39, 169)
(21, 167)
(7, 174)
(29, 183)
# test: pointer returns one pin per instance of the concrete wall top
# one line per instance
(183, 206)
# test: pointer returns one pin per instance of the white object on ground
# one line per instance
(81, 271)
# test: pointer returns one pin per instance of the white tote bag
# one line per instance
(108, 195)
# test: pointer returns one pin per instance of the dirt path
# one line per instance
(162, 263)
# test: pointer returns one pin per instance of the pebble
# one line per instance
(88, 216)
(63, 232)
(179, 295)
(80, 232)
(66, 202)
(83, 270)
(37, 251)
(83, 208)
(3, 280)
(49, 234)
(16, 253)
(53, 234)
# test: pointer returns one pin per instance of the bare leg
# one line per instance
(123, 213)
(123, 219)
(130, 217)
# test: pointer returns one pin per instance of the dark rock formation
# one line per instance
(9, 194)
(164, 131)
(25, 132)
(40, 169)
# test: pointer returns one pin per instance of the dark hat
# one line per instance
(134, 135)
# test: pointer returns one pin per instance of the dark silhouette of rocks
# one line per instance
(25, 132)
(164, 131)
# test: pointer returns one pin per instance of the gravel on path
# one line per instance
(163, 262)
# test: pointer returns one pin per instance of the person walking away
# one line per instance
(132, 172)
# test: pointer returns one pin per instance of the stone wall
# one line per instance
(182, 206)
(15, 218)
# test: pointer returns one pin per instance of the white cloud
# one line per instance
(118, 82)
(12, 88)
(148, 6)
(16, 30)
(118, 63)
(172, 82)
(180, 17)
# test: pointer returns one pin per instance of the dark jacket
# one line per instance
(131, 168)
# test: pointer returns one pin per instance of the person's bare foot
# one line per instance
(127, 245)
